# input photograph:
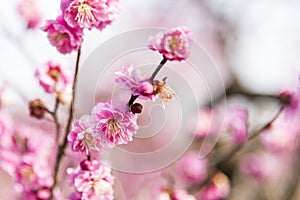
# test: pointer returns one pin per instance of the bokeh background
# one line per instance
(253, 43)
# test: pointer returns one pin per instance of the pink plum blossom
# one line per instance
(283, 135)
(174, 44)
(138, 82)
(181, 194)
(135, 80)
(205, 125)
(231, 122)
(192, 168)
(236, 124)
(83, 139)
(91, 183)
(90, 13)
(130, 77)
(262, 166)
(168, 194)
(217, 190)
(28, 10)
(34, 177)
(115, 124)
(65, 38)
(52, 77)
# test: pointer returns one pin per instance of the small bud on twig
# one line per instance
(37, 108)
(136, 108)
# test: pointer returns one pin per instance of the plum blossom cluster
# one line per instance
(111, 123)
(66, 31)
(53, 77)
(108, 125)
(25, 155)
(91, 180)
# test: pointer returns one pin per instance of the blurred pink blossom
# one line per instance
(205, 125)
(135, 80)
(292, 100)
(34, 178)
(217, 190)
(236, 124)
(174, 44)
(283, 135)
(115, 124)
(65, 38)
(261, 166)
(90, 13)
(168, 194)
(181, 194)
(193, 168)
(232, 122)
(52, 77)
(92, 183)
(83, 139)
(28, 10)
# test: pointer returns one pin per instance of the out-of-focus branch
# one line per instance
(225, 159)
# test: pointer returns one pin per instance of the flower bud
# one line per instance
(88, 165)
(136, 108)
(37, 108)
(285, 97)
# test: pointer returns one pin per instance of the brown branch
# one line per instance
(62, 147)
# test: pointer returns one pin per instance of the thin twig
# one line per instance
(62, 147)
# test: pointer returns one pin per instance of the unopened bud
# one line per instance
(37, 108)
(285, 97)
(88, 165)
(136, 108)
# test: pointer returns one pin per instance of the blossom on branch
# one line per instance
(174, 44)
(135, 80)
(169, 194)
(92, 181)
(83, 139)
(28, 10)
(52, 77)
(90, 13)
(65, 38)
(139, 83)
(192, 168)
(115, 124)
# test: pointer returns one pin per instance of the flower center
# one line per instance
(59, 38)
(174, 43)
(164, 91)
(54, 73)
(113, 128)
(27, 172)
(100, 186)
(113, 125)
(84, 12)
